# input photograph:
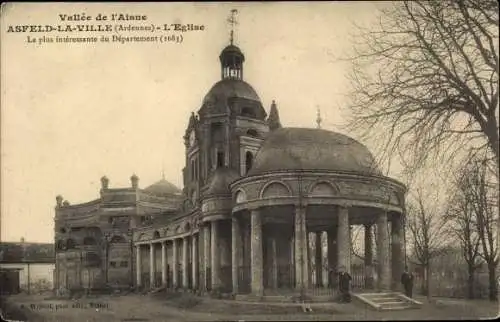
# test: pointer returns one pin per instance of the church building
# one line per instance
(263, 208)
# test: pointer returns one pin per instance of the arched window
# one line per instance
(240, 196)
(194, 197)
(248, 161)
(220, 159)
(193, 173)
(89, 241)
(275, 189)
(60, 245)
(217, 132)
(323, 189)
(253, 132)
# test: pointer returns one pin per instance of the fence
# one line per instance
(452, 285)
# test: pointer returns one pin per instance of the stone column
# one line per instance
(215, 254)
(235, 252)
(175, 258)
(164, 263)
(206, 256)
(185, 271)
(194, 255)
(319, 259)
(292, 260)
(368, 256)
(256, 260)
(152, 265)
(397, 251)
(274, 263)
(384, 269)
(301, 260)
(138, 266)
(332, 257)
(343, 241)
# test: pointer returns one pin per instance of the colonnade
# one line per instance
(176, 243)
(389, 251)
(339, 249)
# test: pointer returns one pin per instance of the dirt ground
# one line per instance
(187, 307)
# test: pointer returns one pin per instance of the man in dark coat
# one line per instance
(344, 283)
(407, 281)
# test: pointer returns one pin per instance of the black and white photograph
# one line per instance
(249, 161)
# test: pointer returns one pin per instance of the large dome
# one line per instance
(228, 88)
(161, 188)
(312, 149)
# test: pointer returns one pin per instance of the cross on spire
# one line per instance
(163, 170)
(233, 22)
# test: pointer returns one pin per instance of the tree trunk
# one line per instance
(470, 283)
(492, 282)
(423, 283)
(428, 281)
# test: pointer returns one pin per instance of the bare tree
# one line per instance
(426, 231)
(461, 218)
(427, 78)
(482, 197)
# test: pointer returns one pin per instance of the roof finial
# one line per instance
(233, 22)
(273, 120)
(163, 172)
(318, 118)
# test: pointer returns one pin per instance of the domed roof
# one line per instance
(312, 149)
(220, 181)
(227, 88)
(231, 49)
(162, 187)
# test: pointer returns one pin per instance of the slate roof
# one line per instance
(161, 188)
(312, 149)
(226, 88)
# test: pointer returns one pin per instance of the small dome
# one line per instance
(312, 149)
(162, 187)
(231, 50)
(220, 181)
(227, 88)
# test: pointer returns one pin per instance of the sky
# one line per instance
(73, 112)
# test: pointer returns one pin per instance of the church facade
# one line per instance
(254, 194)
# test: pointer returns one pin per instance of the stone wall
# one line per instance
(41, 276)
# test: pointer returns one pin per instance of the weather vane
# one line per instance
(233, 22)
(318, 118)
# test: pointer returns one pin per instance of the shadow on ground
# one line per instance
(194, 303)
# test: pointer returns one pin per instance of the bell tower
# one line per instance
(229, 127)
(232, 58)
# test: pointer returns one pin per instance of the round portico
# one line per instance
(306, 181)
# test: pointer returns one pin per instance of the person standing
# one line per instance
(407, 281)
(344, 283)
